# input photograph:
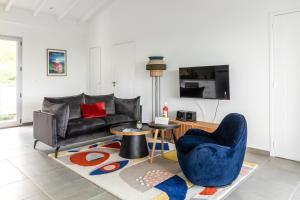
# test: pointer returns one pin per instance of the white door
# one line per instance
(286, 92)
(95, 71)
(124, 69)
(10, 81)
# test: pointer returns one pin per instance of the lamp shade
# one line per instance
(156, 63)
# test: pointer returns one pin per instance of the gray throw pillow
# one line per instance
(61, 112)
(129, 107)
(107, 99)
(73, 102)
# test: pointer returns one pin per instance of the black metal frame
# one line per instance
(34, 144)
(56, 149)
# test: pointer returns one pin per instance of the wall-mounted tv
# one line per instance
(207, 82)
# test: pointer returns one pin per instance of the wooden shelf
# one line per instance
(185, 126)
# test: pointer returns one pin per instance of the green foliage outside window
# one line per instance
(8, 62)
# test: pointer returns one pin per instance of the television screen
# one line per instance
(209, 82)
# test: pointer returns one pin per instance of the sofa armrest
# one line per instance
(44, 128)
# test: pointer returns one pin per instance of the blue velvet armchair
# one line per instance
(214, 159)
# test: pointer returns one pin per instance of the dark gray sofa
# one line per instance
(60, 123)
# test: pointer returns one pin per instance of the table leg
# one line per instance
(154, 145)
(162, 141)
(174, 136)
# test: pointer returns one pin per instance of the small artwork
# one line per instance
(56, 62)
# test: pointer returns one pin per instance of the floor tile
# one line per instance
(34, 164)
(19, 190)
(264, 188)
(257, 158)
(40, 196)
(80, 188)
(104, 196)
(242, 195)
(55, 177)
(9, 174)
(296, 193)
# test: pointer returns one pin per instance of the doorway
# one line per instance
(285, 85)
(10, 81)
(124, 69)
(95, 71)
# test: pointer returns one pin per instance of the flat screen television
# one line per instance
(207, 82)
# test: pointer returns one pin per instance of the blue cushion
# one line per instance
(189, 142)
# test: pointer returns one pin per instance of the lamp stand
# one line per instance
(156, 97)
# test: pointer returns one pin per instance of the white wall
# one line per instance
(195, 33)
(38, 34)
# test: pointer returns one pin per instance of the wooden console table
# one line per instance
(185, 126)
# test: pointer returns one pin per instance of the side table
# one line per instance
(134, 144)
(161, 127)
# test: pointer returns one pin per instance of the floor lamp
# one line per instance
(156, 66)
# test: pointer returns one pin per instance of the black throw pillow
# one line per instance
(129, 107)
(61, 112)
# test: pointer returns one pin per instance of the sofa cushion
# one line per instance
(61, 112)
(73, 101)
(103, 135)
(130, 107)
(116, 119)
(108, 99)
(81, 126)
(93, 110)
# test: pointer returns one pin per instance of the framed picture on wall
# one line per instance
(56, 62)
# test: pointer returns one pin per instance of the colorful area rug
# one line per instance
(138, 179)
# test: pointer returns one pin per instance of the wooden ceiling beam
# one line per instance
(98, 8)
(68, 10)
(39, 7)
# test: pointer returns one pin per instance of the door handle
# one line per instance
(114, 83)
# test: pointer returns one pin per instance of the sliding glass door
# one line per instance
(10, 79)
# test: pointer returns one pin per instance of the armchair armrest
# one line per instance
(44, 128)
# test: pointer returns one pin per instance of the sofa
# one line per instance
(214, 159)
(60, 122)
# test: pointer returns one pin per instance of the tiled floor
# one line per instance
(30, 175)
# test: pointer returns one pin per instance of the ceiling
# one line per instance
(77, 10)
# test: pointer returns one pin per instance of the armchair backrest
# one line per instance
(232, 130)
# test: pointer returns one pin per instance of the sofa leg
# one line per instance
(56, 151)
(34, 144)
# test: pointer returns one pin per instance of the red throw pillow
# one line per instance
(93, 110)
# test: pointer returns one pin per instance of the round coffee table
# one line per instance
(134, 144)
(161, 127)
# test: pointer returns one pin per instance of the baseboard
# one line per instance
(27, 124)
(258, 151)
(20, 125)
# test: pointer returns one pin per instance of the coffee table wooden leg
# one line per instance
(162, 141)
(154, 145)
